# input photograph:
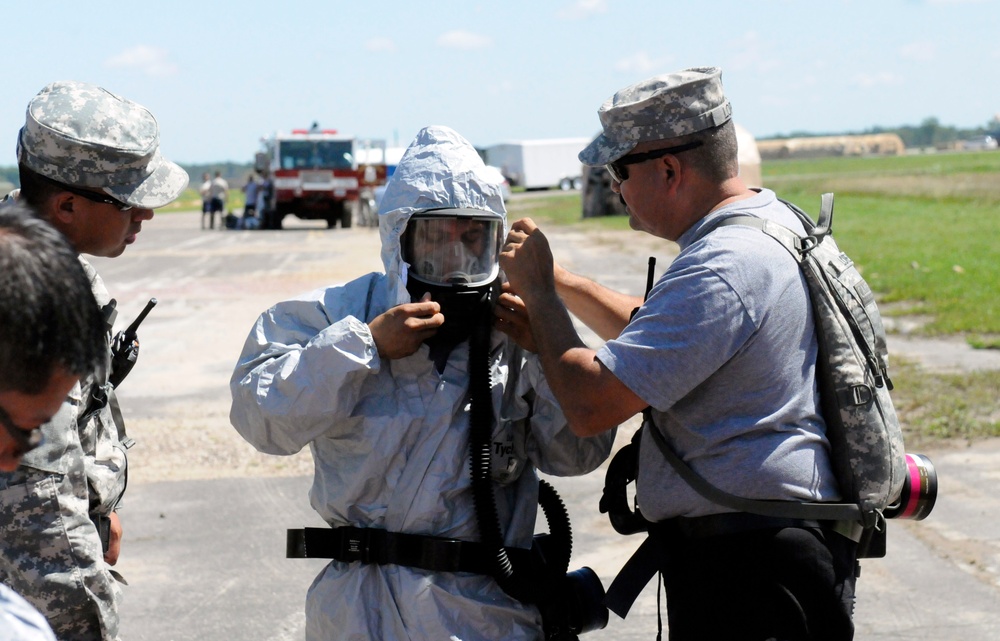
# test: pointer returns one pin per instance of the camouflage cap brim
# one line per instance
(603, 150)
(166, 182)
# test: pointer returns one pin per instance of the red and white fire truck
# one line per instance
(320, 174)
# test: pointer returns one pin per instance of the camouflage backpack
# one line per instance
(852, 375)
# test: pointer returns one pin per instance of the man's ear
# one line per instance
(672, 171)
(62, 211)
(62, 208)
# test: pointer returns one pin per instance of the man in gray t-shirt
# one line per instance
(722, 352)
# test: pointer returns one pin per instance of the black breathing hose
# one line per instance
(518, 584)
(559, 528)
(481, 424)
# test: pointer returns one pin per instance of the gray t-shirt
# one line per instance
(724, 352)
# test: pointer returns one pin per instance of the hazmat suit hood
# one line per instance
(440, 170)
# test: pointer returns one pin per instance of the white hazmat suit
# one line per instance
(390, 439)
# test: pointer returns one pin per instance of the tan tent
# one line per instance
(821, 146)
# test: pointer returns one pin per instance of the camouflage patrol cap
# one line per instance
(81, 135)
(660, 108)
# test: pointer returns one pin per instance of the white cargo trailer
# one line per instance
(540, 164)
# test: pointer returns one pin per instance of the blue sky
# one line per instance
(220, 75)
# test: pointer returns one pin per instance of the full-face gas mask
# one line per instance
(453, 247)
(453, 254)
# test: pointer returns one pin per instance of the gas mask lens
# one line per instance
(453, 250)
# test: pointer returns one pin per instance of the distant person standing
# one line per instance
(206, 198)
(265, 202)
(218, 193)
(250, 192)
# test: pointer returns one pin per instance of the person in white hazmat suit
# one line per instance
(374, 376)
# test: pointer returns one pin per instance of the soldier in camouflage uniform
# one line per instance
(720, 357)
(89, 163)
(53, 334)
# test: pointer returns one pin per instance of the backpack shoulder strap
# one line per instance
(824, 226)
(815, 231)
(788, 239)
(782, 509)
(795, 244)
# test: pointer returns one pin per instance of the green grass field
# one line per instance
(922, 229)
(925, 232)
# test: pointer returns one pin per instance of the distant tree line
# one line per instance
(9, 175)
(929, 133)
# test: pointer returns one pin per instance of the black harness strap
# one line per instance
(633, 577)
(650, 557)
(371, 545)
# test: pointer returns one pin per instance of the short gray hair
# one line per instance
(717, 159)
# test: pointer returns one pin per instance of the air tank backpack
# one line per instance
(876, 478)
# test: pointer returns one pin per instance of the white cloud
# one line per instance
(918, 51)
(384, 45)
(582, 9)
(642, 62)
(751, 53)
(880, 79)
(151, 61)
(464, 40)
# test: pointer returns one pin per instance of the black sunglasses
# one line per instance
(93, 196)
(24, 440)
(619, 172)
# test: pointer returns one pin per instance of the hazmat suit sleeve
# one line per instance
(318, 344)
(551, 445)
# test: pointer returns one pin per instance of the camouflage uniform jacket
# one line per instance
(97, 435)
(50, 549)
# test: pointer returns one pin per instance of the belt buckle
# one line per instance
(363, 544)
